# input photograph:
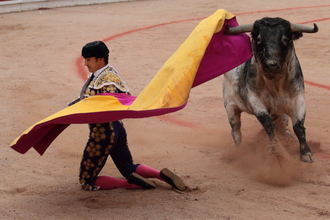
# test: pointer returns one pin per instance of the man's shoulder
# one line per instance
(109, 76)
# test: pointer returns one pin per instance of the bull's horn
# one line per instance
(304, 28)
(239, 29)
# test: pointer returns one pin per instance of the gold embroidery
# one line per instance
(109, 88)
(88, 164)
(101, 161)
(112, 138)
(94, 151)
(98, 133)
(111, 126)
(108, 77)
(107, 149)
(84, 176)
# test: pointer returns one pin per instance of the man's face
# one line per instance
(93, 63)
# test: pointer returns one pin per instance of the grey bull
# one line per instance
(270, 85)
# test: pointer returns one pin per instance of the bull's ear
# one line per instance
(296, 35)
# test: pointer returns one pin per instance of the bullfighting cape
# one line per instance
(205, 54)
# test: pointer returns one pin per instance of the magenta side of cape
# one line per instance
(123, 98)
(223, 53)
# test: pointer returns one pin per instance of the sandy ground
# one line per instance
(38, 78)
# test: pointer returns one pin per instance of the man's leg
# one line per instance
(164, 175)
(108, 182)
(122, 157)
(94, 157)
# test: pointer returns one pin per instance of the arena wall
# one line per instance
(7, 6)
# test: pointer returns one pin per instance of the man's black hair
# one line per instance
(96, 49)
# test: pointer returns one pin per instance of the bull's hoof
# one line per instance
(307, 157)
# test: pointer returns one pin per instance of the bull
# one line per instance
(270, 85)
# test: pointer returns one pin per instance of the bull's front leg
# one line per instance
(305, 151)
(298, 120)
(234, 118)
(267, 122)
(265, 119)
(260, 111)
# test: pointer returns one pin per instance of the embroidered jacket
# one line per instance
(106, 80)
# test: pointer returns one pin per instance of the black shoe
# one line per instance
(172, 179)
(136, 179)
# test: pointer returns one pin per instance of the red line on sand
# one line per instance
(317, 85)
(315, 20)
(323, 155)
(281, 9)
(83, 74)
(176, 121)
(148, 27)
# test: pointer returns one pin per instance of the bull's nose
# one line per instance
(272, 64)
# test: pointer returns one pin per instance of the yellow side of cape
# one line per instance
(170, 87)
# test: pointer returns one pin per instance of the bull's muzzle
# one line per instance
(272, 66)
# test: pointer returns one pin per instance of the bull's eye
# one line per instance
(258, 40)
(285, 40)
